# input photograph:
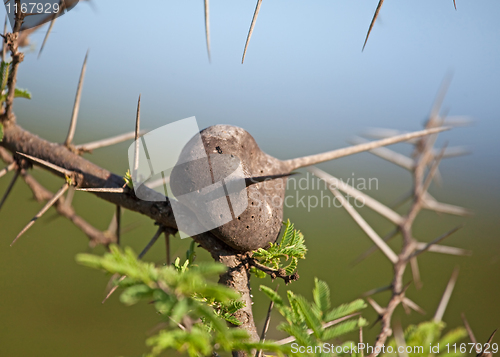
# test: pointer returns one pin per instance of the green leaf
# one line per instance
(453, 336)
(344, 310)
(136, 293)
(273, 295)
(312, 320)
(190, 253)
(300, 334)
(290, 249)
(292, 266)
(4, 75)
(22, 93)
(321, 295)
(343, 328)
(258, 273)
(128, 179)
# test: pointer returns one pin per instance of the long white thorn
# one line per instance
(358, 195)
(366, 227)
(76, 106)
(438, 316)
(250, 31)
(335, 154)
(107, 142)
(389, 155)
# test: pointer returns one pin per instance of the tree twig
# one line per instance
(274, 273)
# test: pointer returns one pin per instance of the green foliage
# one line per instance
(420, 337)
(225, 311)
(128, 179)
(316, 316)
(194, 307)
(4, 76)
(290, 249)
(22, 93)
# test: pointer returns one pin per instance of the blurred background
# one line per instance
(305, 87)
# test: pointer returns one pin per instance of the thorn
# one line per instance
(366, 227)
(430, 203)
(378, 309)
(9, 188)
(207, 29)
(107, 142)
(42, 211)
(438, 316)
(437, 178)
(455, 4)
(7, 169)
(358, 195)
(406, 308)
(375, 15)
(402, 199)
(399, 336)
(250, 31)
(438, 102)
(435, 241)
(151, 242)
(113, 289)
(389, 155)
(486, 353)
(118, 215)
(469, 331)
(413, 306)
(4, 45)
(167, 248)
(256, 179)
(374, 248)
(335, 154)
(47, 164)
(109, 190)
(416, 273)
(69, 197)
(112, 224)
(361, 340)
(377, 290)
(454, 152)
(324, 326)
(137, 130)
(144, 251)
(405, 288)
(76, 106)
(444, 249)
(383, 133)
(266, 323)
(162, 181)
(491, 337)
(433, 170)
(47, 36)
(459, 120)
(181, 326)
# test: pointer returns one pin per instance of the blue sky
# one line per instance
(305, 87)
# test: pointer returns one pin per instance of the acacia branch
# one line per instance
(12, 43)
(274, 273)
(16, 139)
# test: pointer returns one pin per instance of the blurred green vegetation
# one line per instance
(51, 306)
